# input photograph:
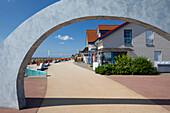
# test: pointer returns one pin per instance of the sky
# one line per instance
(62, 43)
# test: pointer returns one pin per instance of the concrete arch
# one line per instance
(21, 43)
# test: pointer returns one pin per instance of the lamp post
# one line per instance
(48, 56)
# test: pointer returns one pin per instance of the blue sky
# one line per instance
(62, 43)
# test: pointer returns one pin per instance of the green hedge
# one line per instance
(141, 66)
(125, 65)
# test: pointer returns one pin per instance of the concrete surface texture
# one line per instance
(24, 40)
(73, 89)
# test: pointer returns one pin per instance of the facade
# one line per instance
(127, 38)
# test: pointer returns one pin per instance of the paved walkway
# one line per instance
(83, 65)
(72, 89)
(156, 88)
(34, 92)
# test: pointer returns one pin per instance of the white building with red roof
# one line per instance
(109, 41)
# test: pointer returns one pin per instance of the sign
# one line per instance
(95, 64)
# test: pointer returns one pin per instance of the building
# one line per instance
(109, 41)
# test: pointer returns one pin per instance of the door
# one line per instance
(158, 56)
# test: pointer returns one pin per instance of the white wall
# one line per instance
(100, 45)
(116, 40)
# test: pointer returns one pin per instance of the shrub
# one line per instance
(142, 66)
(123, 65)
(108, 69)
(105, 69)
(114, 71)
(100, 70)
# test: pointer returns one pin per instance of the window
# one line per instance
(158, 56)
(149, 38)
(107, 58)
(127, 37)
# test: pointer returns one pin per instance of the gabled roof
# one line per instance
(91, 35)
(109, 33)
(107, 27)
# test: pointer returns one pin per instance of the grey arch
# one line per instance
(18, 48)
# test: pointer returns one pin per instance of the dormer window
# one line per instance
(149, 38)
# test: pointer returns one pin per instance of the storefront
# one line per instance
(107, 55)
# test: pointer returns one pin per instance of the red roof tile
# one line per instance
(91, 35)
(113, 30)
(107, 27)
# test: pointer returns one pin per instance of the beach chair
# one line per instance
(41, 66)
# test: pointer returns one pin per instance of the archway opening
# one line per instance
(20, 80)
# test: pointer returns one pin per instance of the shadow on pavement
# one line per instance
(35, 102)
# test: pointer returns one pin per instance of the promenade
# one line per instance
(73, 89)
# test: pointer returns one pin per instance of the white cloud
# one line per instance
(61, 42)
(66, 37)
